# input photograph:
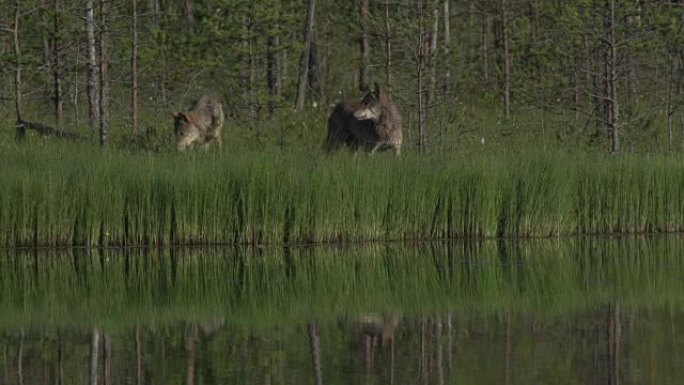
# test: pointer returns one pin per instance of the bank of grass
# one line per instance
(266, 287)
(64, 194)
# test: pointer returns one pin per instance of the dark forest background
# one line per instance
(606, 75)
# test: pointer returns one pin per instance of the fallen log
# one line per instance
(46, 130)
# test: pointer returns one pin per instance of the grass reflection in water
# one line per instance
(578, 311)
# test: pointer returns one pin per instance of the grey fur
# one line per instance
(372, 123)
(201, 125)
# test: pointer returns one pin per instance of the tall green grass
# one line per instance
(264, 287)
(69, 195)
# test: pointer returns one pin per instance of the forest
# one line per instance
(604, 76)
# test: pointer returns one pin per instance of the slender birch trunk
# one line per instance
(506, 58)
(315, 342)
(432, 55)
(612, 80)
(191, 351)
(304, 61)
(134, 68)
(104, 73)
(56, 66)
(107, 360)
(364, 46)
(138, 356)
(421, 65)
(486, 28)
(94, 354)
(20, 354)
(447, 49)
(273, 66)
(388, 48)
(91, 71)
(188, 9)
(21, 129)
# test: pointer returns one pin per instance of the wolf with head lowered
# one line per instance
(201, 125)
(372, 123)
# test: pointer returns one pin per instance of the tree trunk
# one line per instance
(388, 49)
(447, 56)
(273, 67)
(304, 61)
(439, 359)
(680, 86)
(449, 344)
(423, 357)
(47, 51)
(154, 9)
(535, 16)
(153, 6)
(506, 58)
(94, 354)
(423, 52)
(315, 343)
(249, 73)
(314, 72)
(134, 68)
(670, 110)
(107, 360)
(104, 73)
(368, 342)
(614, 334)
(191, 350)
(486, 29)
(56, 66)
(432, 57)
(92, 73)
(21, 130)
(508, 353)
(20, 348)
(189, 12)
(253, 101)
(4, 50)
(364, 46)
(594, 56)
(612, 79)
(576, 80)
(138, 357)
(60, 361)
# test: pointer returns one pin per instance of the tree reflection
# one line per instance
(369, 348)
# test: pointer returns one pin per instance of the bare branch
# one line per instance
(671, 4)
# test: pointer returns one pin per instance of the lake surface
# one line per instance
(571, 311)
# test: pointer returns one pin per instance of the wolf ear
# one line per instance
(180, 116)
(377, 89)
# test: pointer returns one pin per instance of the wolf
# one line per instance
(201, 125)
(373, 123)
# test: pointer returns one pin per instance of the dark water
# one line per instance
(566, 312)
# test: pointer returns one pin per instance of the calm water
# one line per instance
(589, 311)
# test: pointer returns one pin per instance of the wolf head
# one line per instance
(371, 105)
(185, 129)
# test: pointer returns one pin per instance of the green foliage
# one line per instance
(556, 58)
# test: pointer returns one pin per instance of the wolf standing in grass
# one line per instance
(373, 123)
(201, 125)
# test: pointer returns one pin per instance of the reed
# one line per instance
(55, 194)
